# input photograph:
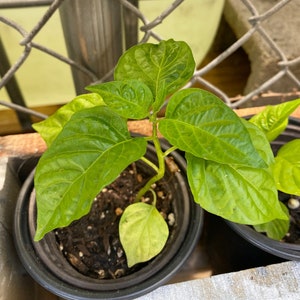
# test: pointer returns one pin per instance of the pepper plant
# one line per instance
(230, 165)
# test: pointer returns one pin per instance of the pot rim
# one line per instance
(284, 250)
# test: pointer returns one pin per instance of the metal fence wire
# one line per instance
(126, 16)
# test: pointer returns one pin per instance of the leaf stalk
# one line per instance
(160, 170)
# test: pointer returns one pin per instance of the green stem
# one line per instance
(161, 163)
(154, 197)
(150, 163)
(168, 151)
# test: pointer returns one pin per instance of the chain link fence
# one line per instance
(121, 25)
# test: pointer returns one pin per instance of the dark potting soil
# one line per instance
(92, 245)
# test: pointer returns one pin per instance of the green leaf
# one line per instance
(88, 154)
(200, 123)
(52, 126)
(163, 67)
(237, 193)
(274, 119)
(287, 168)
(275, 229)
(131, 99)
(260, 142)
(143, 232)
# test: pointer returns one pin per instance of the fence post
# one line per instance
(93, 35)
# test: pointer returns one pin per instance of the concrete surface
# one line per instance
(279, 281)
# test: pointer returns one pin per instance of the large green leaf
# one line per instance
(200, 123)
(163, 67)
(89, 153)
(143, 232)
(131, 99)
(274, 119)
(287, 168)
(237, 193)
(277, 228)
(52, 126)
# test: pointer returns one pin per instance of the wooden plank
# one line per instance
(22, 145)
(9, 123)
(278, 281)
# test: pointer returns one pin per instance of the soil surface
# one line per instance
(92, 244)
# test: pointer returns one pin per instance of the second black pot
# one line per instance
(284, 250)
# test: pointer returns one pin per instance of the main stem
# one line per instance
(161, 162)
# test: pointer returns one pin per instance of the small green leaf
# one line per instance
(198, 122)
(52, 126)
(163, 67)
(93, 148)
(131, 99)
(287, 168)
(274, 119)
(143, 232)
(237, 193)
(277, 228)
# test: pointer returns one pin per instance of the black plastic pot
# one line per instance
(46, 264)
(277, 248)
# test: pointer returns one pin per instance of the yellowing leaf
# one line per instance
(143, 232)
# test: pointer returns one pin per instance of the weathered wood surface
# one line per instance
(31, 144)
(279, 281)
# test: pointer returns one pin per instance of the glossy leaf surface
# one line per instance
(52, 126)
(238, 193)
(143, 232)
(89, 153)
(274, 119)
(163, 67)
(130, 99)
(287, 168)
(200, 123)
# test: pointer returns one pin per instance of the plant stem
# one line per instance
(154, 197)
(150, 163)
(168, 151)
(161, 163)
